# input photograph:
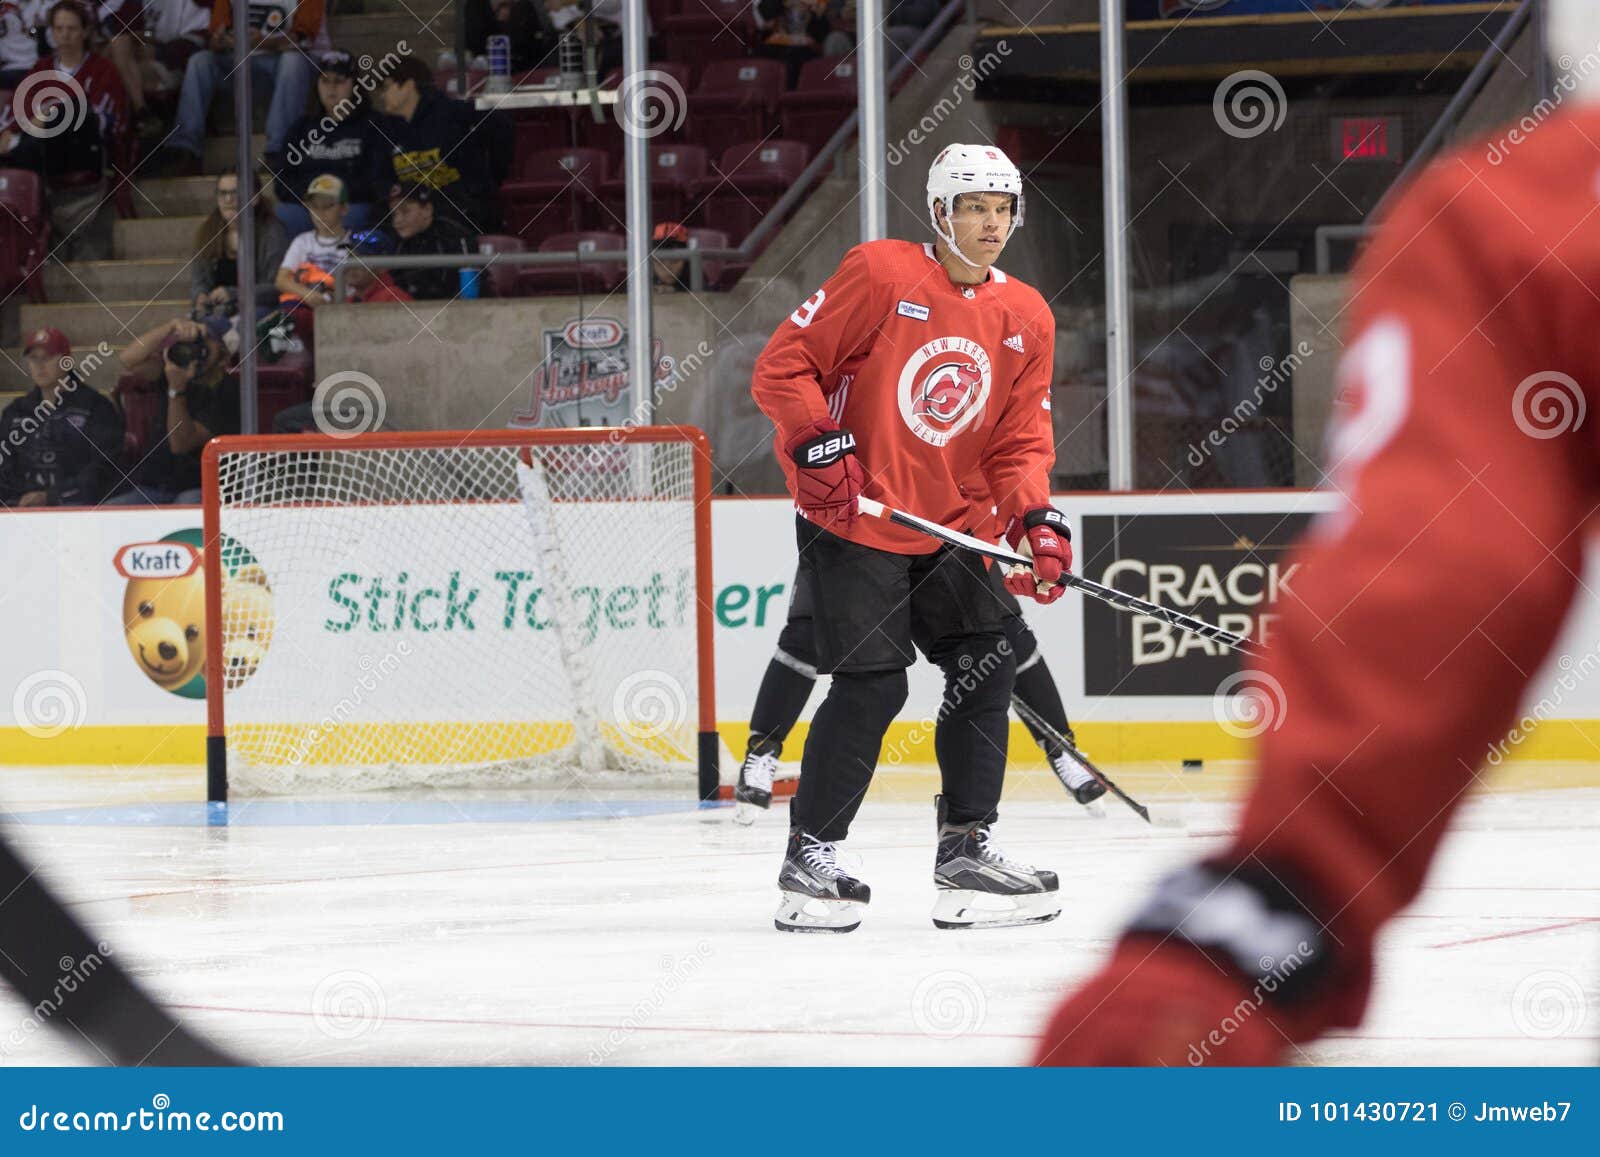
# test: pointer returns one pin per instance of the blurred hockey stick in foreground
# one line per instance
(1119, 599)
(42, 947)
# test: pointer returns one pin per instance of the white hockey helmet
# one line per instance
(1572, 39)
(971, 169)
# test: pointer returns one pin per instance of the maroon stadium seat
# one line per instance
(736, 100)
(717, 273)
(501, 279)
(281, 384)
(141, 411)
(577, 277)
(708, 30)
(554, 191)
(24, 232)
(675, 170)
(662, 112)
(749, 180)
(820, 102)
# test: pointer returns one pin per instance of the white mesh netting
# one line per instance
(458, 615)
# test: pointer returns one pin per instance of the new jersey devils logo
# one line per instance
(943, 388)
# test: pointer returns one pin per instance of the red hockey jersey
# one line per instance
(937, 381)
(1470, 468)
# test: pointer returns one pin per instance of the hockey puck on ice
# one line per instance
(1193, 764)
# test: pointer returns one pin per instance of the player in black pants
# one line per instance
(792, 673)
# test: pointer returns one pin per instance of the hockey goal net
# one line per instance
(459, 609)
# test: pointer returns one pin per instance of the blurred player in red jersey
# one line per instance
(916, 366)
(1470, 478)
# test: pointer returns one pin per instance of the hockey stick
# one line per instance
(1119, 599)
(43, 948)
(1029, 715)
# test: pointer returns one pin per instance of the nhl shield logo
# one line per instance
(943, 388)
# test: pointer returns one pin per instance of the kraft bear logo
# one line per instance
(943, 388)
(164, 616)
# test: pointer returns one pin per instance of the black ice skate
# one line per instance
(979, 887)
(1073, 769)
(815, 894)
(754, 789)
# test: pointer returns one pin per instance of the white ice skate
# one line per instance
(1072, 769)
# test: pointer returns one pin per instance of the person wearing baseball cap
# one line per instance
(423, 231)
(336, 137)
(363, 283)
(306, 275)
(672, 275)
(63, 437)
(200, 399)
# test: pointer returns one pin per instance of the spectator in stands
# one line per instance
(214, 269)
(363, 283)
(279, 66)
(604, 20)
(423, 232)
(21, 22)
(462, 154)
(122, 27)
(670, 276)
(791, 31)
(59, 442)
(904, 21)
(337, 136)
(200, 400)
(525, 23)
(178, 29)
(305, 276)
(72, 161)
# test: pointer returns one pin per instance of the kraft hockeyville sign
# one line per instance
(1229, 570)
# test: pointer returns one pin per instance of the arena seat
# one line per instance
(703, 31)
(749, 180)
(820, 101)
(501, 280)
(674, 172)
(576, 277)
(24, 232)
(555, 190)
(668, 107)
(717, 273)
(736, 100)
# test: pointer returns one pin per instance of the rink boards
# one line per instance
(70, 691)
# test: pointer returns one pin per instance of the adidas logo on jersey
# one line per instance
(1014, 342)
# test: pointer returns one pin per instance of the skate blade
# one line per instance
(746, 811)
(965, 908)
(1094, 809)
(799, 913)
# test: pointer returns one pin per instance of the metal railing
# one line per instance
(746, 251)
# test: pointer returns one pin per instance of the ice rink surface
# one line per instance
(576, 929)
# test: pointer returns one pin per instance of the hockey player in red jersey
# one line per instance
(1417, 616)
(913, 367)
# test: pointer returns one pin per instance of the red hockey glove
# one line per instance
(827, 478)
(1221, 966)
(1041, 534)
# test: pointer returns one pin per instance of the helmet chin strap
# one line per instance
(950, 240)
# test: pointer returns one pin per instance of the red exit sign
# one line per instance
(1367, 139)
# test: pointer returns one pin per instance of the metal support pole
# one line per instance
(636, 172)
(1119, 322)
(463, 56)
(872, 97)
(247, 219)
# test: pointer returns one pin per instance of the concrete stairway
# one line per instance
(146, 280)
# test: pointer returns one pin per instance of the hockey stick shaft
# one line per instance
(1030, 716)
(1119, 599)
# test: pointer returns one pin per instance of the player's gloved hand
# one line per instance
(828, 476)
(1160, 1004)
(1041, 534)
(1221, 966)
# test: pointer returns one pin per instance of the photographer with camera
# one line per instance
(200, 399)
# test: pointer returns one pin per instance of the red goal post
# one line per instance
(503, 570)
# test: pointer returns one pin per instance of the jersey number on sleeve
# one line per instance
(808, 308)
